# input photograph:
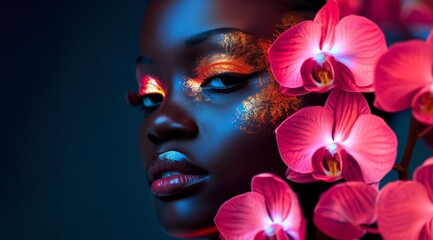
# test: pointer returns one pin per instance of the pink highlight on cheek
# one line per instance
(150, 85)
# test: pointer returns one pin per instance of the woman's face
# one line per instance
(210, 105)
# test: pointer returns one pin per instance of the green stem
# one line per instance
(412, 138)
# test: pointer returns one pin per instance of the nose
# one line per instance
(171, 122)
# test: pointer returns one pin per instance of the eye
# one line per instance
(225, 82)
(151, 101)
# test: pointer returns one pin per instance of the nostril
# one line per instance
(171, 124)
(155, 140)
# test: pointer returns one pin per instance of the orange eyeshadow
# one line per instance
(150, 85)
(212, 66)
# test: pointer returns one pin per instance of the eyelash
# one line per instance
(235, 80)
(235, 72)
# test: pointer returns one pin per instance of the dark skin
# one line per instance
(214, 117)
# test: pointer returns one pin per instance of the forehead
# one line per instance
(170, 22)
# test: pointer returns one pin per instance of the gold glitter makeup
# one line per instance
(213, 66)
(287, 22)
(252, 50)
(243, 55)
(265, 110)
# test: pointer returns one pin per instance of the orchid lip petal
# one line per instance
(328, 167)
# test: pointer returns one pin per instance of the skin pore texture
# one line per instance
(210, 106)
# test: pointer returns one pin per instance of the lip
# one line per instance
(171, 173)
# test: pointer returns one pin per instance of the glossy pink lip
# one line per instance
(174, 184)
(172, 172)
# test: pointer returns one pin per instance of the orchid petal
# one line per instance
(312, 127)
(427, 231)
(242, 216)
(281, 203)
(383, 12)
(401, 73)
(345, 80)
(373, 145)
(293, 91)
(260, 236)
(358, 50)
(278, 234)
(347, 107)
(422, 105)
(352, 171)
(295, 224)
(291, 49)
(349, 7)
(328, 16)
(424, 175)
(299, 177)
(403, 209)
(342, 210)
(282, 235)
(430, 39)
(277, 195)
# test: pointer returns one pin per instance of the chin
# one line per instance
(190, 214)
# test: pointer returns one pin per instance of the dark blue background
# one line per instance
(69, 159)
(70, 165)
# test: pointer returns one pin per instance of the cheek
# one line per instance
(263, 111)
(192, 88)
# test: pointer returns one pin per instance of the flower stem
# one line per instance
(412, 138)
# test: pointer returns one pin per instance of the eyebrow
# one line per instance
(200, 37)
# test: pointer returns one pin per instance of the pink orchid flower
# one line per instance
(270, 211)
(349, 7)
(345, 210)
(404, 79)
(405, 208)
(385, 13)
(340, 140)
(315, 56)
(418, 18)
